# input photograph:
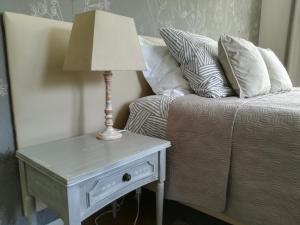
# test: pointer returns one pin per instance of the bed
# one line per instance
(238, 157)
(216, 165)
(234, 157)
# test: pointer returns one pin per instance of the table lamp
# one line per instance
(102, 41)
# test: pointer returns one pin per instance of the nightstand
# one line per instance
(76, 177)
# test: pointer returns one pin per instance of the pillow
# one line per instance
(244, 67)
(279, 77)
(199, 63)
(162, 71)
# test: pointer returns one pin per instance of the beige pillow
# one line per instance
(279, 77)
(244, 67)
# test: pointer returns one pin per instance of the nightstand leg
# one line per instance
(28, 202)
(71, 216)
(159, 202)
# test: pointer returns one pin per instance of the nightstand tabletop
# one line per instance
(76, 159)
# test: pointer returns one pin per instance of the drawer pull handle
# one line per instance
(126, 177)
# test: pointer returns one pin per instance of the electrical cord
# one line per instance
(138, 195)
(119, 205)
(138, 211)
(122, 131)
(102, 214)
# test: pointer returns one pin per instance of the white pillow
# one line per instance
(279, 77)
(162, 71)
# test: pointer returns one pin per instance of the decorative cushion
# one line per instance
(244, 66)
(279, 77)
(149, 115)
(162, 72)
(199, 63)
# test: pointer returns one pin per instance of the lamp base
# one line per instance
(109, 134)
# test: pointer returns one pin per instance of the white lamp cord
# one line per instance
(119, 205)
(122, 131)
(138, 195)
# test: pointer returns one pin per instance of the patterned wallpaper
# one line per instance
(208, 17)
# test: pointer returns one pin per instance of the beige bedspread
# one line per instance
(238, 156)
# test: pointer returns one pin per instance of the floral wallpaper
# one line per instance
(207, 17)
(211, 18)
(50, 9)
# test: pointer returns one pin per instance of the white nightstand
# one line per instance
(78, 176)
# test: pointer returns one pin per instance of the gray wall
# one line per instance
(274, 29)
(208, 17)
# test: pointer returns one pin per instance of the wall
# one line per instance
(276, 33)
(274, 26)
(208, 17)
(293, 58)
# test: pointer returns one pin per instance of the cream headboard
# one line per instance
(51, 104)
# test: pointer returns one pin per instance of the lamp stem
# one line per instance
(109, 133)
(108, 95)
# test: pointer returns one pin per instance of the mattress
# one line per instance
(149, 115)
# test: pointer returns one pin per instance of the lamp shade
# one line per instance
(102, 41)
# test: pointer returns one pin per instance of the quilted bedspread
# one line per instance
(236, 156)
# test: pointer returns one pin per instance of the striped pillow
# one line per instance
(198, 58)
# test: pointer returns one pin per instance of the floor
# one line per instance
(174, 213)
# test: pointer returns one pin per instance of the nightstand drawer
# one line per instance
(123, 179)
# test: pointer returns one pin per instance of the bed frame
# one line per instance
(50, 104)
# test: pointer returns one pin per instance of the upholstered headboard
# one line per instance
(49, 103)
